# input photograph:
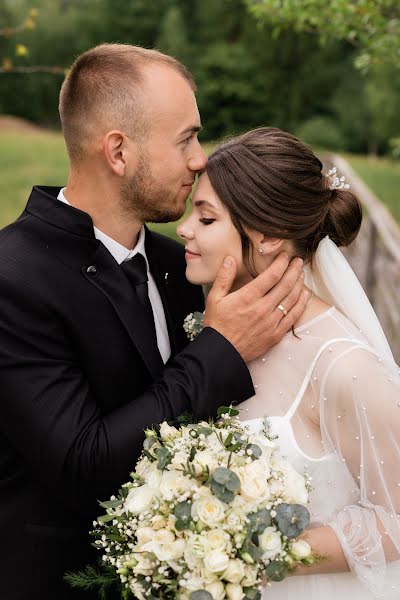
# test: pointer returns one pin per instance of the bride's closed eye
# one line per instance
(206, 221)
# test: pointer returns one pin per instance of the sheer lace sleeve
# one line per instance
(360, 422)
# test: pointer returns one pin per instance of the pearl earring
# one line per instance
(260, 249)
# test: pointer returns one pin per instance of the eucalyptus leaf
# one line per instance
(292, 519)
(205, 431)
(200, 595)
(276, 570)
(233, 484)
(164, 457)
(221, 492)
(221, 475)
(251, 593)
(260, 520)
(183, 514)
(255, 450)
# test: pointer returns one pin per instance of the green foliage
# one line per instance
(276, 571)
(224, 483)
(292, 519)
(322, 132)
(370, 25)
(101, 578)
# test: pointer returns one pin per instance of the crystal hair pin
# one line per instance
(336, 182)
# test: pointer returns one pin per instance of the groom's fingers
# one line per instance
(224, 280)
(294, 314)
(288, 287)
(288, 301)
(279, 273)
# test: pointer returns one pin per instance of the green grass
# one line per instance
(40, 158)
(382, 175)
(31, 159)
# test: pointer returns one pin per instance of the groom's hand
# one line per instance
(249, 317)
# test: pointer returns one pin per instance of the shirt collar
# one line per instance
(117, 250)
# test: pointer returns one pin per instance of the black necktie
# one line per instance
(136, 271)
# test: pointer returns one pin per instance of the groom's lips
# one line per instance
(190, 255)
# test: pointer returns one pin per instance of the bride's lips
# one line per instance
(189, 255)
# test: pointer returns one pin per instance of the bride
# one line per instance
(330, 388)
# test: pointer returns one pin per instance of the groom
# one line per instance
(92, 348)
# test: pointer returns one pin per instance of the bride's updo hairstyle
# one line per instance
(272, 183)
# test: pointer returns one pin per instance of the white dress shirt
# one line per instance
(121, 254)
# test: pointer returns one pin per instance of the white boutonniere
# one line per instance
(193, 324)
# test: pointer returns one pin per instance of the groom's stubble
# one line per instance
(144, 198)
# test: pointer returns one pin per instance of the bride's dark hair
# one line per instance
(273, 183)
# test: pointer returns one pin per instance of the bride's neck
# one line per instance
(316, 307)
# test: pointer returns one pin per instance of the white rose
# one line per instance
(270, 542)
(216, 561)
(234, 572)
(204, 458)
(300, 550)
(139, 499)
(253, 479)
(294, 485)
(250, 576)
(193, 562)
(168, 551)
(144, 535)
(198, 544)
(179, 459)
(163, 536)
(167, 432)
(216, 589)
(174, 484)
(208, 509)
(194, 583)
(266, 446)
(158, 522)
(153, 478)
(234, 591)
(144, 565)
(216, 539)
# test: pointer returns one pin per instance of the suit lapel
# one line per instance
(109, 278)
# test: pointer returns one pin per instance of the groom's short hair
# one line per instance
(104, 89)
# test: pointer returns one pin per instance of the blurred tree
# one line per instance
(173, 39)
(372, 26)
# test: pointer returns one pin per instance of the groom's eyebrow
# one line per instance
(191, 129)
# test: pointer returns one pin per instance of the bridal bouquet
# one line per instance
(211, 511)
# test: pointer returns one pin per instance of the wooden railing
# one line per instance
(375, 255)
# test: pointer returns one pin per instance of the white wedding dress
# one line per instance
(334, 404)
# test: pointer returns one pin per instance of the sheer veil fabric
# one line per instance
(332, 393)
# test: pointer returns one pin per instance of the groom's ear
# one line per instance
(119, 152)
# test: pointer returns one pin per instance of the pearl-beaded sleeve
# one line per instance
(360, 422)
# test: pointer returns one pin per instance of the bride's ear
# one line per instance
(269, 245)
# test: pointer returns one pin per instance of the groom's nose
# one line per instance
(198, 159)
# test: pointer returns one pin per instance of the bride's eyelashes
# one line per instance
(206, 221)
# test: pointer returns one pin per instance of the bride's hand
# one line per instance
(249, 317)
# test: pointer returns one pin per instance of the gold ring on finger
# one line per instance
(282, 309)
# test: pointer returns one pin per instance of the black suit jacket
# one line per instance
(77, 385)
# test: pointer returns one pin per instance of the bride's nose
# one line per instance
(185, 231)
